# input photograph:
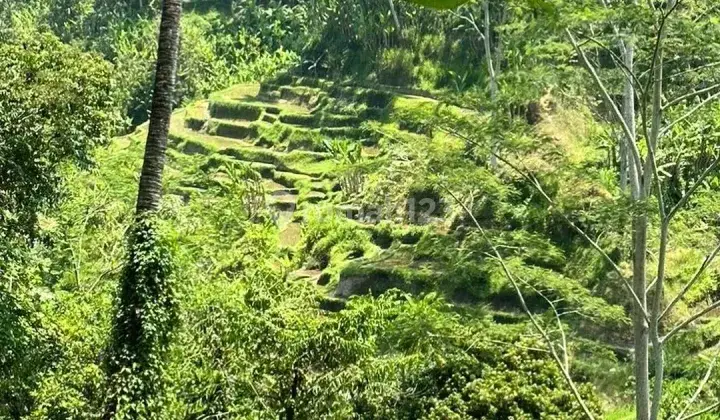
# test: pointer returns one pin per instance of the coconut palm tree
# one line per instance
(150, 191)
(146, 308)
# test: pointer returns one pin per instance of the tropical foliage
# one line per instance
(370, 209)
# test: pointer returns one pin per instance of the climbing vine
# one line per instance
(146, 314)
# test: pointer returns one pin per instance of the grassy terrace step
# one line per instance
(289, 137)
(238, 92)
(250, 110)
(274, 188)
(284, 202)
(229, 109)
(276, 180)
(284, 192)
(299, 94)
(297, 161)
(320, 119)
(296, 137)
(370, 277)
(269, 118)
(290, 179)
(327, 85)
(311, 96)
(266, 170)
(350, 133)
(234, 130)
(314, 197)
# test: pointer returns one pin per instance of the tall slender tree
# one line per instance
(146, 304)
(150, 191)
(485, 35)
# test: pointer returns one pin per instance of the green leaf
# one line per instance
(439, 4)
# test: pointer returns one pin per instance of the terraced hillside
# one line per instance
(345, 173)
(356, 185)
(289, 136)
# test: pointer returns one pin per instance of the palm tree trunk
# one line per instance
(146, 306)
(150, 190)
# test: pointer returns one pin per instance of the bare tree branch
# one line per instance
(701, 412)
(471, 20)
(706, 263)
(690, 320)
(702, 384)
(523, 304)
(563, 338)
(691, 95)
(617, 60)
(651, 285)
(661, 34)
(704, 66)
(633, 147)
(692, 189)
(690, 113)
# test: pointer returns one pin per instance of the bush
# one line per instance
(428, 75)
(329, 236)
(56, 106)
(395, 67)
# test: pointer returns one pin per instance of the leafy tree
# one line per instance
(56, 105)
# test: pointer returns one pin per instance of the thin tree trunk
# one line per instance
(395, 18)
(499, 51)
(491, 69)
(488, 51)
(654, 144)
(629, 113)
(150, 189)
(628, 52)
(640, 326)
(640, 226)
(623, 154)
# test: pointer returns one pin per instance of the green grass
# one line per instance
(235, 110)
(622, 413)
(238, 92)
(234, 130)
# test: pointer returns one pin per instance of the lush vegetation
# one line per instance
(371, 209)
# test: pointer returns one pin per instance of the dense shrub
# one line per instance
(64, 115)
(327, 234)
(396, 67)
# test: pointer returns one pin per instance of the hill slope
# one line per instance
(293, 208)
